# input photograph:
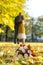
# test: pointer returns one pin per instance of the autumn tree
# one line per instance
(8, 10)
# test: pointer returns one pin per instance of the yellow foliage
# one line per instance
(10, 9)
(16, 63)
(7, 53)
(30, 60)
(1, 31)
(23, 62)
(39, 58)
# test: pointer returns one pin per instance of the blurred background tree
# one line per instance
(34, 27)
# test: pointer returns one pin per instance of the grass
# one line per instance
(11, 47)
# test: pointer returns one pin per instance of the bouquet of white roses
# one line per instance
(26, 51)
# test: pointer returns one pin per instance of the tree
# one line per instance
(9, 9)
(40, 23)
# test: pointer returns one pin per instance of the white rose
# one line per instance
(26, 55)
(29, 51)
(21, 48)
(25, 47)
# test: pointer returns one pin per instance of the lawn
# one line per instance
(8, 54)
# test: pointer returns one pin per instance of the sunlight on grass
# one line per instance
(8, 53)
